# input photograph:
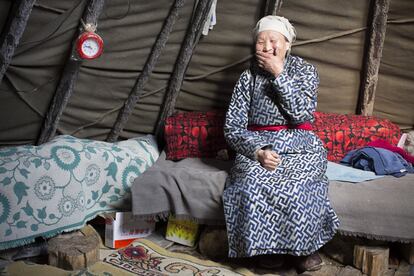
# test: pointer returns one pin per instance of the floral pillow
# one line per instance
(195, 134)
(60, 185)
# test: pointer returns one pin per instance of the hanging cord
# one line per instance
(35, 89)
(49, 8)
(89, 27)
(49, 36)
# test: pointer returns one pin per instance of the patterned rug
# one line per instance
(25, 268)
(146, 258)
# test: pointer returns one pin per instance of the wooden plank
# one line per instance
(377, 262)
(371, 260)
(372, 57)
(359, 251)
(69, 76)
(184, 57)
(13, 31)
(136, 92)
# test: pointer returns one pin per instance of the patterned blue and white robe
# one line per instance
(286, 211)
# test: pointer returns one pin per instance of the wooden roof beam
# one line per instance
(69, 77)
(372, 56)
(136, 92)
(273, 7)
(184, 57)
(13, 31)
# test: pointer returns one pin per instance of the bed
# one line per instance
(192, 187)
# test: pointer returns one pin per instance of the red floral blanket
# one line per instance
(200, 134)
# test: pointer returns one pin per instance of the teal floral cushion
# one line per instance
(60, 185)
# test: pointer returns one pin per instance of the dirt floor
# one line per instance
(331, 267)
(337, 256)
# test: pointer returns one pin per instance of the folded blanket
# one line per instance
(380, 209)
(190, 188)
(344, 173)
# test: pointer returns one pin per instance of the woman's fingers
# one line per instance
(270, 163)
(262, 57)
(271, 160)
(274, 154)
(270, 167)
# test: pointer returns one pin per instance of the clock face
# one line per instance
(89, 45)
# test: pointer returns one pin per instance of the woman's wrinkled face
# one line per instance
(272, 42)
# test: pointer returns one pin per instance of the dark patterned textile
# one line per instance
(343, 133)
(285, 211)
(200, 134)
(194, 134)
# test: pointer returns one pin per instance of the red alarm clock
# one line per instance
(89, 45)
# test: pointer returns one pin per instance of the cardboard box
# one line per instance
(122, 228)
(182, 231)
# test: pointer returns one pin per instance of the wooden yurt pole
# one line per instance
(190, 41)
(372, 57)
(273, 7)
(68, 78)
(146, 72)
(13, 31)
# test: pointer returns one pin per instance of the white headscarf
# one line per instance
(278, 24)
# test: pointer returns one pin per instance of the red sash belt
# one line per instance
(303, 126)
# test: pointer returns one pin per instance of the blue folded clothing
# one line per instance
(379, 160)
(344, 173)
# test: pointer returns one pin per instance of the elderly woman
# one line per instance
(276, 196)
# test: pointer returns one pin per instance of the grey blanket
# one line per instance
(192, 188)
(382, 208)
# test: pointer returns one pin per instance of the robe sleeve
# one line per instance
(240, 139)
(298, 93)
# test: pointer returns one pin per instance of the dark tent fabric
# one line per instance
(395, 92)
(129, 29)
(339, 60)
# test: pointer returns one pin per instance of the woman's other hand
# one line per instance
(269, 159)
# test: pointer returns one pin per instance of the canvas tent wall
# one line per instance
(130, 28)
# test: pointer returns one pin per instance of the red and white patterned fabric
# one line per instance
(343, 133)
(200, 134)
(194, 134)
